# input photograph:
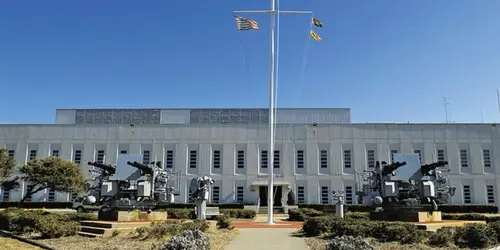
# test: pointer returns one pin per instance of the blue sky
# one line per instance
(387, 60)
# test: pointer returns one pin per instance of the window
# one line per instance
(467, 196)
(486, 158)
(52, 195)
(55, 153)
(123, 152)
(32, 155)
(463, 158)
(170, 159)
(348, 195)
(192, 159)
(241, 159)
(11, 153)
(417, 151)
(5, 194)
(300, 158)
(393, 152)
(440, 155)
(239, 194)
(323, 158)
(77, 156)
(263, 159)
(347, 159)
(324, 195)
(215, 194)
(146, 157)
(216, 159)
(370, 156)
(28, 189)
(100, 156)
(301, 195)
(490, 193)
(276, 162)
(190, 196)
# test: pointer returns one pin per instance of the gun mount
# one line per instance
(132, 184)
(405, 184)
(107, 169)
(145, 169)
(389, 169)
(428, 168)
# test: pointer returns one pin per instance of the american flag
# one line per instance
(246, 24)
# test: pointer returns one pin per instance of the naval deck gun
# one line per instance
(405, 184)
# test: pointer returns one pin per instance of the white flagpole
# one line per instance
(272, 121)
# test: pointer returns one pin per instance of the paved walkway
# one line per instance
(267, 238)
(258, 235)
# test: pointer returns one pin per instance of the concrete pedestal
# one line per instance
(135, 215)
(407, 216)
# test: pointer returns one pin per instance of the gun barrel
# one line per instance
(108, 168)
(429, 167)
(140, 166)
(388, 169)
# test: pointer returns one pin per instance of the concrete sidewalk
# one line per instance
(267, 238)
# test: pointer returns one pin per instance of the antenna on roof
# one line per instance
(498, 101)
(445, 103)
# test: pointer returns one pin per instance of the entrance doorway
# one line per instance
(263, 191)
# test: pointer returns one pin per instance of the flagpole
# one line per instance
(272, 119)
(270, 185)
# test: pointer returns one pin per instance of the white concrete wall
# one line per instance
(253, 138)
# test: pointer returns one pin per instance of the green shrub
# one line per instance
(45, 224)
(495, 228)
(81, 216)
(443, 237)
(175, 213)
(159, 230)
(357, 216)
(315, 226)
(392, 231)
(224, 222)
(445, 208)
(239, 213)
(475, 235)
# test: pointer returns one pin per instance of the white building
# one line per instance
(317, 150)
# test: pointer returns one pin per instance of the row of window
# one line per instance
(490, 194)
(240, 157)
(301, 197)
(51, 195)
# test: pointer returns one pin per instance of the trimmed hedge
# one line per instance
(45, 224)
(183, 213)
(36, 204)
(470, 236)
(471, 216)
(445, 208)
(193, 205)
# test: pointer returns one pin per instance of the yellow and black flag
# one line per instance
(317, 23)
(315, 35)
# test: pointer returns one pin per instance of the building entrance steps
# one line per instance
(267, 238)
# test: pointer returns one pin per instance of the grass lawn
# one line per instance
(124, 240)
(7, 243)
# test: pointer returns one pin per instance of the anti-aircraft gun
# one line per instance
(135, 185)
(99, 173)
(406, 184)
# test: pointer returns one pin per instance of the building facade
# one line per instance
(317, 150)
